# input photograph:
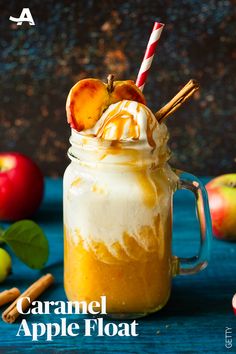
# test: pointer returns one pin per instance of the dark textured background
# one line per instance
(76, 39)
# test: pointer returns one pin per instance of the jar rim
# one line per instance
(80, 138)
(83, 145)
(101, 141)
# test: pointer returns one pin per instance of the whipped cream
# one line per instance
(130, 121)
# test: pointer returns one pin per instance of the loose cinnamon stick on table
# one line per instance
(184, 94)
(9, 296)
(36, 289)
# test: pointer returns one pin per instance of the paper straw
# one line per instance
(149, 54)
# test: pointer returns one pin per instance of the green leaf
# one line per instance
(28, 242)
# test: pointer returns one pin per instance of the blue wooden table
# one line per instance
(194, 320)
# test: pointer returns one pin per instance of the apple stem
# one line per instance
(110, 80)
(232, 184)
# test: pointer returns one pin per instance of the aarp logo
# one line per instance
(25, 16)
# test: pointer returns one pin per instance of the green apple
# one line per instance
(222, 200)
(5, 264)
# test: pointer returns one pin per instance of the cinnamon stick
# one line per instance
(183, 95)
(9, 296)
(33, 292)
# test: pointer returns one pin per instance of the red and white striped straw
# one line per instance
(149, 54)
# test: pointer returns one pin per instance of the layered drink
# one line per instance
(117, 203)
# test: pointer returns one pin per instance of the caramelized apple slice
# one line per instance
(126, 90)
(88, 99)
(85, 103)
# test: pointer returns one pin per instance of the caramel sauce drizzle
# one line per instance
(149, 192)
(119, 118)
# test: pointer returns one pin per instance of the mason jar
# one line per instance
(118, 225)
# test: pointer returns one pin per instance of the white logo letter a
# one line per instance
(25, 16)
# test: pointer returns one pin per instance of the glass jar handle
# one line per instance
(192, 265)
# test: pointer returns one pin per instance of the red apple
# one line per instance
(222, 201)
(234, 303)
(21, 186)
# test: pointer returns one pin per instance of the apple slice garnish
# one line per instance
(126, 90)
(85, 103)
(89, 98)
